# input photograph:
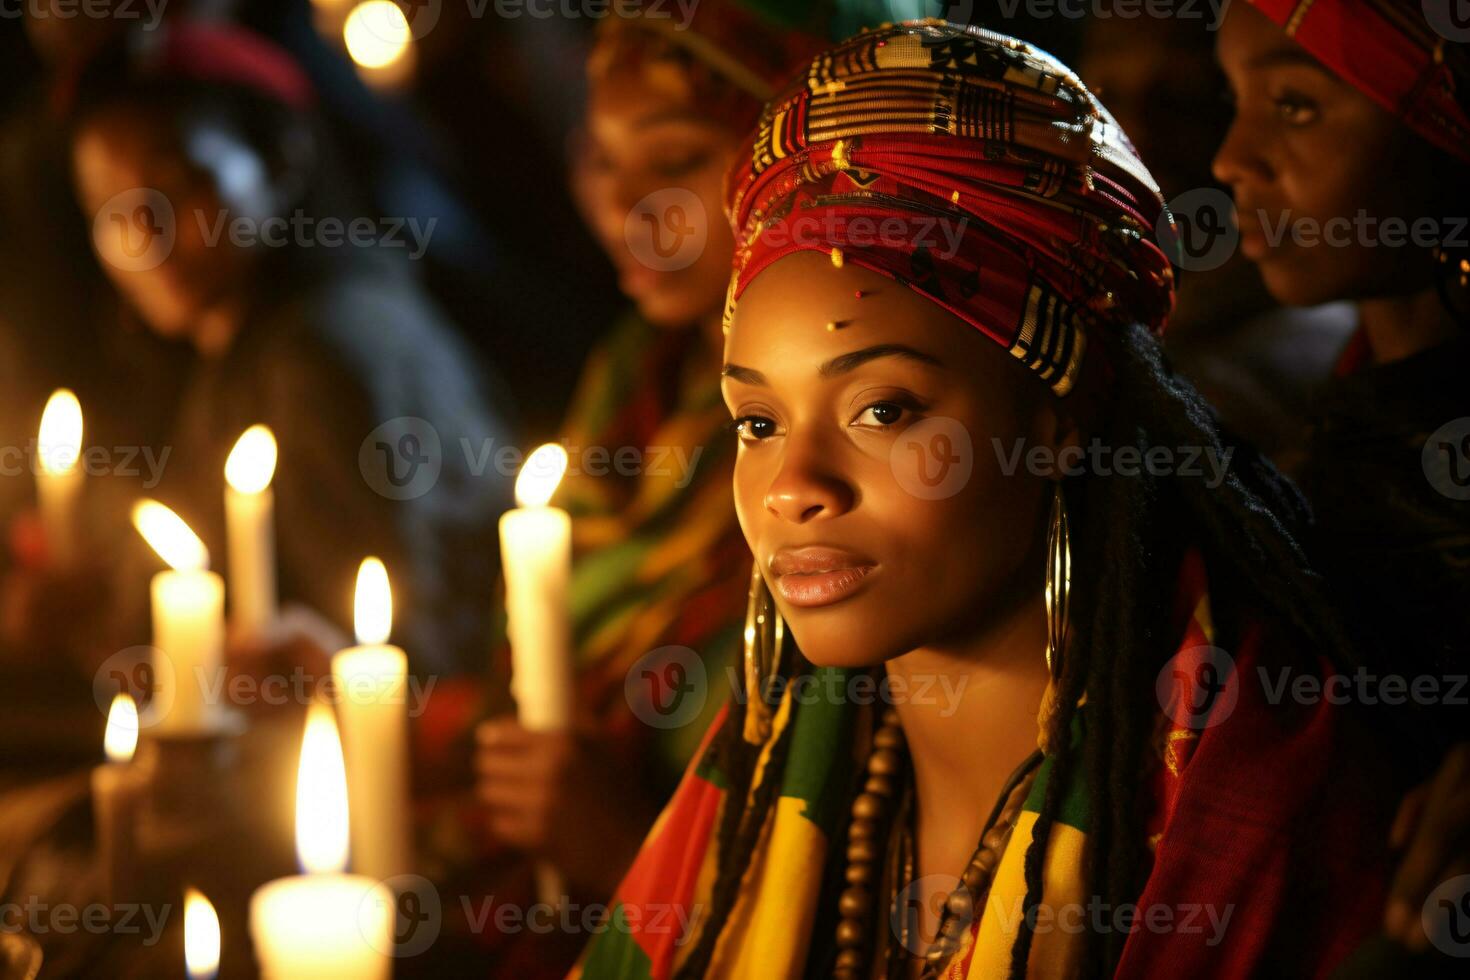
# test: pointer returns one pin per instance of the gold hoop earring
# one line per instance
(1058, 582)
(765, 641)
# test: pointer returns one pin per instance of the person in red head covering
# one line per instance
(1349, 158)
(957, 473)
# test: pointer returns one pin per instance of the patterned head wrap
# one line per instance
(1390, 51)
(972, 168)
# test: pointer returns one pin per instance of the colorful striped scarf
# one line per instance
(1275, 859)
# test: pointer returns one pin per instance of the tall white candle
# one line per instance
(249, 525)
(325, 924)
(59, 473)
(372, 697)
(201, 936)
(536, 554)
(188, 624)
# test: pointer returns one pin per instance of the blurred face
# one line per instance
(646, 136)
(865, 564)
(206, 182)
(1307, 150)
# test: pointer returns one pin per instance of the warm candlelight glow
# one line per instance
(541, 475)
(377, 33)
(372, 608)
(60, 439)
(321, 796)
(167, 534)
(252, 462)
(121, 738)
(201, 936)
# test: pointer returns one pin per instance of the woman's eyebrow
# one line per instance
(744, 375)
(843, 363)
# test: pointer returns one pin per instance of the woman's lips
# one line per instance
(815, 576)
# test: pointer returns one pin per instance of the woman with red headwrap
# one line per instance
(1353, 117)
(961, 474)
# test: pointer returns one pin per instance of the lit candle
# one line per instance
(115, 793)
(536, 554)
(59, 475)
(324, 923)
(249, 524)
(201, 936)
(188, 622)
(372, 684)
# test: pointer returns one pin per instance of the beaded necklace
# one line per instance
(884, 811)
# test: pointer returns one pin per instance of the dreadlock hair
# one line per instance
(1138, 527)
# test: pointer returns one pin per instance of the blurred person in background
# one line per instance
(1356, 114)
(661, 574)
(325, 341)
(1258, 364)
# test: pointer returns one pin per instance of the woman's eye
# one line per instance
(679, 166)
(1296, 110)
(752, 428)
(880, 414)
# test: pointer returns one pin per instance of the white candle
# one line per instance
(249, 526)
(325, 923)
(201, 936)
(188, 623)
(59, 474)
(372, 686)
(536, 554)
(115, 792)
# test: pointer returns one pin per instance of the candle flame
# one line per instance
(372, 607)
(201, 936)
(167, 534)
(60, 439)
(376, 33)
(541, 475)
(252, 462)
(321, 796)
(121, 737)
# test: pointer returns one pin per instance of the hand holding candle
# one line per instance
(536, 553)
(188, 622)
(372, 686)
(249, 523)
(59, 475)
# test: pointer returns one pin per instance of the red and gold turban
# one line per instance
(972, 168)
(1391, 52)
